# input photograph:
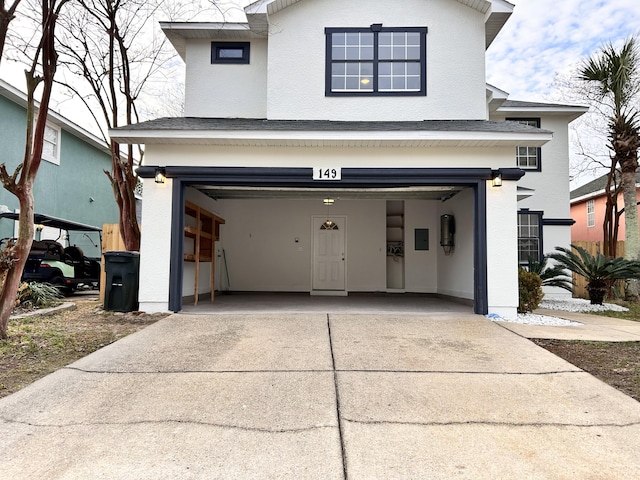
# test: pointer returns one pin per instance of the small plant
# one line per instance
(529, 290)
(7, 259)
(37, 295)
(600, 271)
(551, 276)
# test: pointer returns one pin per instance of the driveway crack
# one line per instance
(225, 426)
(494, 424)
(337, 390)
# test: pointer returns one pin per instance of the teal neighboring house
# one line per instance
(71, 183)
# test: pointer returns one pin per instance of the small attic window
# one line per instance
(230, 52)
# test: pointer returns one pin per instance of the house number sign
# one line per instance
(324, 173)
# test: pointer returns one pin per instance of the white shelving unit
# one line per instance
(395, 245)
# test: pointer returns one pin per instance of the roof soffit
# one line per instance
(340, 134)
(270, 7)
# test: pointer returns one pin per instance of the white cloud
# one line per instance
(545, 38)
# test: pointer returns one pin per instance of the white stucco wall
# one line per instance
(291, 83)
(554, 236)
(155, 247)
(421, 267)
(551, 187)
(370, 157)
(263, 255)
(225, 91)
(552, 191)
(502, 249)
(455, 61)
(552, 182)
(455, 271)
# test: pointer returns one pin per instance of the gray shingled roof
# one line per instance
(521, 104)
(594, 186)
(203, 124)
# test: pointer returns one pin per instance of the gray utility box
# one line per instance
(121, 286)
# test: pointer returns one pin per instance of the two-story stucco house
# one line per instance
(71, 184)
(350, 146)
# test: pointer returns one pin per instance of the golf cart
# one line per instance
(62, 261)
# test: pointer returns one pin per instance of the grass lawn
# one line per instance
(40, 345)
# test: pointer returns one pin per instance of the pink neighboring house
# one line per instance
(588, 205)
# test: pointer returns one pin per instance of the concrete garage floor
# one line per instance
(406, 303)
(320, 396)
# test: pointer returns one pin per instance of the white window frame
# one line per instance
(55, 158)
(591, 213)
(528, 158)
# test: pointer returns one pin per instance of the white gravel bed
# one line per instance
(580, 305)
(535, 319)
(568, 305)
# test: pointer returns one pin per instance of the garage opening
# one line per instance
(382, 241)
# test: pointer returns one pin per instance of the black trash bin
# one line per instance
(121, 288)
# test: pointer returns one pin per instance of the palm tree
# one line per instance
(551, 276)
(600, 271)
(615, 79)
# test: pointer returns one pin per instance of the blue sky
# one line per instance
(544, 38)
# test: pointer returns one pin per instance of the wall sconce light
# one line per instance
(328, 201)
(496, 179)
(161, 175)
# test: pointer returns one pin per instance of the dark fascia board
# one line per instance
(512, 173)
(269, 176)
(558, 222)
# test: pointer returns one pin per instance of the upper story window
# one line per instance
(51, 144)
(591, 213)
(230, 52)
(528, 158)
(376, 61)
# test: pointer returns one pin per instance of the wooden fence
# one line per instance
(111, 241)
(580, 290)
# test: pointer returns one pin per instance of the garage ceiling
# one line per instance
(425, 193)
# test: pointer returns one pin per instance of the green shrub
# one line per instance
(37, 295)
(530, 291)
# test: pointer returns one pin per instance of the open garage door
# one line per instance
(269, 234)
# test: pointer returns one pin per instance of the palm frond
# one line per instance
(552, 276)
(595, 268)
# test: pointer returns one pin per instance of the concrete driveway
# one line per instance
(317, 396)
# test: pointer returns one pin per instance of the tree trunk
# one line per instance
(21, 182)
(632, 234)
(22, 247)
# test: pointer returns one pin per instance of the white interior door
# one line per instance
(329, 260)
